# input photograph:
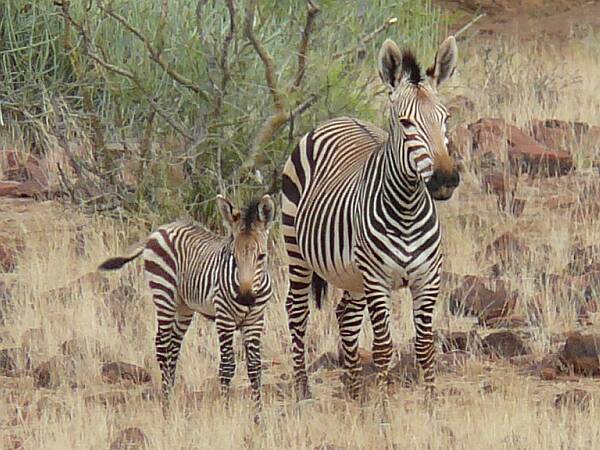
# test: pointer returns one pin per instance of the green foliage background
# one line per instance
(187, 146)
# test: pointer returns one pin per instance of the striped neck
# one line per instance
(402, 186)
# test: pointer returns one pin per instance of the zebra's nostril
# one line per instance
(454, 179)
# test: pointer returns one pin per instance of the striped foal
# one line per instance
(190, 269)
(358, 212)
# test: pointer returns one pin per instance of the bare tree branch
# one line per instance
(368, 38)
(313, 10)
(155, 55)
(224, 62)
(264, 55)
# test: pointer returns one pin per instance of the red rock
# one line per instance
(489, 138)
(581, 353)
(505, 344)
(507, 247)
(472, 297)
(548, 374)
(132, 438)
(20, 189)
(54, 372)
(559, 134)
(116, 372)
(460, 340)
(496, 138)
(532, 158)
(461, 142)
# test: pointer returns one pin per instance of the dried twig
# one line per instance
(313, 10)
(368, 38)
(469, 25)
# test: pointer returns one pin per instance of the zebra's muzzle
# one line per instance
(246, 299)
(441, 185)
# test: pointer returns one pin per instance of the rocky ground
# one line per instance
(518, 333)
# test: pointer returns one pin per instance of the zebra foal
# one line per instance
(358, 212)
(190, 269)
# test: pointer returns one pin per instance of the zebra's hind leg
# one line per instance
(251, 335)
(297, 308)
(181, 323)
(165, 315)
(425, 293)
(349, 313)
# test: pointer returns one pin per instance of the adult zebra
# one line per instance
(358, 212)
(190, 269)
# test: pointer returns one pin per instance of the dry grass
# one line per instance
(483, 404)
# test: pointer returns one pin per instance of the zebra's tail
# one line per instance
(319, 289)
(119, 261)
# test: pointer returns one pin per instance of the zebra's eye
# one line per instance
(261, 256)
(406, 123)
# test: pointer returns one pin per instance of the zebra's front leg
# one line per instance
(425, 294)
(251, 335)
(225, 329)
(377, 298)
(349, 313)
(297, 310)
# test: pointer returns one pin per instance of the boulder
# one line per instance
(468, 341)
(560, 134)
(496, 139)
(116, 372)
(473, 298)
(581, 354)
(132, 438)
(505, 344)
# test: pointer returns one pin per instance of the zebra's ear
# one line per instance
(390, 64)
(229, 212)
(444, 63)
(266, 210)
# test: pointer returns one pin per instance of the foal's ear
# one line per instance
(444, 63)
(231, 215)
(266, 210)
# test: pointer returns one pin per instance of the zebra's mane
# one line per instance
(411, 68)
(250, 214)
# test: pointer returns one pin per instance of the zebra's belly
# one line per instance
(204, 306)
(349, 279)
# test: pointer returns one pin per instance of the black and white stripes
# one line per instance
(190, 269)
(358, 212)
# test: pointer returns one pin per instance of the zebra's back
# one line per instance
(183, 259)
